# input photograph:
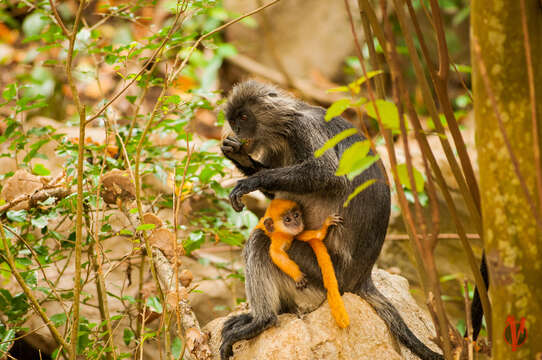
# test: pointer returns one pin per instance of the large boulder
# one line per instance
(316, 336)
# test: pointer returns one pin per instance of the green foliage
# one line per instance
(386, 110)
(355, 160)
(334, 141)
(41, 90)
(419, 181)
(355, 86)
(337, 108)
(358, 190)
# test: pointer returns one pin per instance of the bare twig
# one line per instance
(468, 321)
(36, 197)
(80, 174)
(218, 29)
(35, 304)
(199, 350)
(59, 20)
(532, 95)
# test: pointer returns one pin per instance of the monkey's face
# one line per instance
(292, 222)
(259, 116)
(243, 125)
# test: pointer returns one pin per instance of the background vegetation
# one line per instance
(110, 119)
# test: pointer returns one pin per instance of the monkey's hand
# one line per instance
(232, 148)
(244, 186)
(333, 220)
(301, 283)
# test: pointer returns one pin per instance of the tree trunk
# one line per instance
(512, 239)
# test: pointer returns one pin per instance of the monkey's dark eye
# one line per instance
(244, 117)
(273, 94)
(296, 215)
(287, 219)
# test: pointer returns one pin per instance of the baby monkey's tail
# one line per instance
(330, 283)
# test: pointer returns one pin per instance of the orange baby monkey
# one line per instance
(282, 222)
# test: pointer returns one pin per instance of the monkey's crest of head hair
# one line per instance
(266, 98)
(278, 207)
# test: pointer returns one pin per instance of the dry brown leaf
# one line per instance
(21, 183)
(164, 240)
(186, 277)
(117, 185)
(150, 218)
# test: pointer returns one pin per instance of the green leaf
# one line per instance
(194, 241)
(126, 232)
(355, 86)
(154, 304)
(334, 141)
(40, 222)
(387, 111)
(59, 319)
(128, 336)
(9, 92)
(337, 108)
(131, 98)
(17, 215)
(143, 227)
(353, 157)
(419, 181)
(338, 89)
(41, 170)
(362, 165)
(176, 347)
(226, 50)
(359, 189)
(34, 23)
(5, 341)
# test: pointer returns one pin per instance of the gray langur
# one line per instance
(272, 140)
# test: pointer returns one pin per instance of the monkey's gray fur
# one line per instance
(272, 140)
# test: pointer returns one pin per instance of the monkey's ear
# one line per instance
(268, 223)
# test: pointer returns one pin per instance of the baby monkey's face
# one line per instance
(292, 221)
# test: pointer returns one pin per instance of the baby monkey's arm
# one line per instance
(321, 233)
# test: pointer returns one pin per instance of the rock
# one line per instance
(316, 336)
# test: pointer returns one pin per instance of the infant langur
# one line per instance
(281, 223)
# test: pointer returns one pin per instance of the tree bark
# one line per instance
(504, 108)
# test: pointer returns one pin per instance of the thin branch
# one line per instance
(426, 149)
(59, 19)
(35, 304)
(218, 29)
(80, 174)
(431, 107)
(532, 95)
(35, 197)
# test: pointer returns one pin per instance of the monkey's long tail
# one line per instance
(396, 324)
(477, 312)
(330, 283)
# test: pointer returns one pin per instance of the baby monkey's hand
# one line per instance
(301, 283)
(333, 220)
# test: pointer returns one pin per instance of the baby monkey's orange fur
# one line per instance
(282, 222)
